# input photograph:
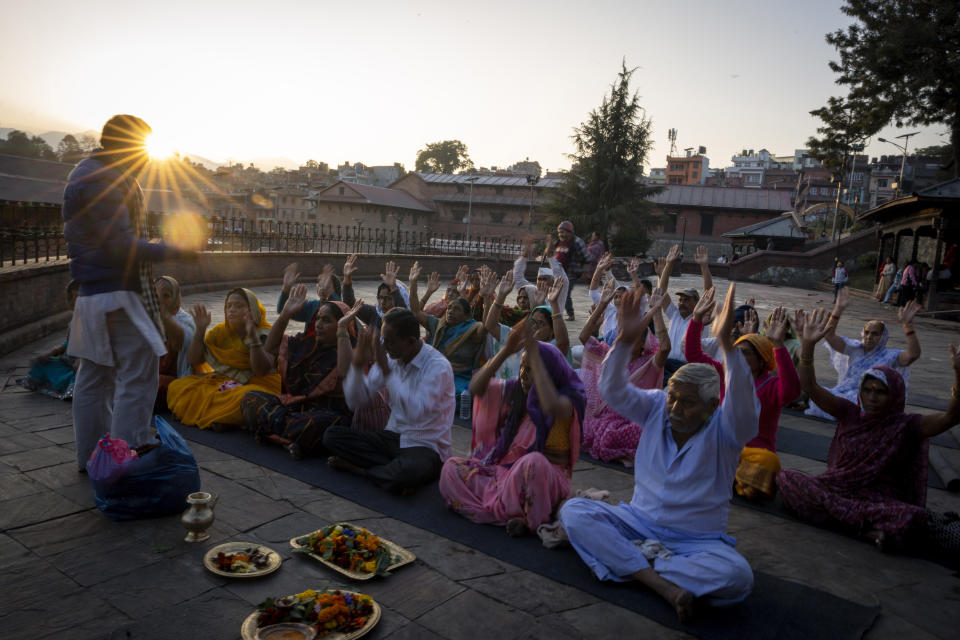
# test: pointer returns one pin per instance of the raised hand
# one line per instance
(751, 302)
(777, 327)
(389, 275)
(814, 327)
(750, 322)
(325, 281)
(843, 299)
(632, 322)
(674, 254)
(553, 295)
(433, 282)
(609, 289)
(701, 256)
(298, 298)
(605, 262)
(656, 300)
(415, 271)
(540, 295)
(349, 316)
(723, 323)
(505, 286)
(249, 324)
(350, 267)
(514, 341)
(363, 352)
(799, 319)
(488, 282)
(201, 317)
(704, 305)
(548, 247)
(955, 358)
(906, 313)
(290, 276)
(463, 279)
(380, 353)
(634, 267)
(529, 339)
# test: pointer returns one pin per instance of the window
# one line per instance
(706, 224)
(341, 190)
(499, 191)
(459, 188)
(497, 216)
(669, 222)
(882, 183)
(676, 180)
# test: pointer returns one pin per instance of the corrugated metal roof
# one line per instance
(724, 198)
(480, 199)
(495, 181)
(784, 227)
(34, 168)
(382, 196)
(21, 189)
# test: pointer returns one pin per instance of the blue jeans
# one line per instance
(892, 290)
(569, 304)
(836, 289)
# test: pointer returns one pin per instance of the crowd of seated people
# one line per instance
(693, 411)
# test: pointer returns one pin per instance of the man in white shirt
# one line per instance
(672, 536)
(410, 451)
(679, 314)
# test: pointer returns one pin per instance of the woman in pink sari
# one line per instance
(526, 438)
(606, 434)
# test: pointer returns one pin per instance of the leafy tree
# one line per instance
(844, 125)
(900, 57)
(19, 143)
(443, 157)
(69, 150)
(602, 191)
(88, 142)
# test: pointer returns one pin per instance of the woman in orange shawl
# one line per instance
(234, 350)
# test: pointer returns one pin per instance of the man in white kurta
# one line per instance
(681, 497)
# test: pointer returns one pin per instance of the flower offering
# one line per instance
(327, 611)
(349, 548)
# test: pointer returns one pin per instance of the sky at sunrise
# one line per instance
(375, 81)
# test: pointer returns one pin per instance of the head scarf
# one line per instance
(308, 369)
(404, 293)
(764, 349)
(568, 384)
(225, 351)
(531, 289)
(174, 287)
(866, 448)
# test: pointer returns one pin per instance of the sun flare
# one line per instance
(159, 147)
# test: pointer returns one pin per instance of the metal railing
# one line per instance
(23, 245)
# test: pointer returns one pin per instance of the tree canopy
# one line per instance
(901, 62)
(22, 144)
(447, 156)
(602, 191)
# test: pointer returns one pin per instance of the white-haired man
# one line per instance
(672, 536)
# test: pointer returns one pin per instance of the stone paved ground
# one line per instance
(67, 572)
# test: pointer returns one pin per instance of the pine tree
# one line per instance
(602, 191)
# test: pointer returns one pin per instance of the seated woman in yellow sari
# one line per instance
(234, 349)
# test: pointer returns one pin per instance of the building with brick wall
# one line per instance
(381, 211)
(499, 207)
(686, 170)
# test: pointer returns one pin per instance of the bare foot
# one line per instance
(626, 462)
(339, 464)
(682, 602)
(517, 527)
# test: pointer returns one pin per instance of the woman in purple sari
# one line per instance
(526, 439)
(875, 484)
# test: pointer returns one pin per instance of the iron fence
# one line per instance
(31, 244)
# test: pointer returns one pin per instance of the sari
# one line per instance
(507, 475)
(606, 434)
(202, 400)
(853, 363)
(312, 393)
(53, 376)
(876, 477)
(460, 344)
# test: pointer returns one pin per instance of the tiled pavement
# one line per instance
(68, 572)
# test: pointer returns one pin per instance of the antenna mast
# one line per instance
(672, 137)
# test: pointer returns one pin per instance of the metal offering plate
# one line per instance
(249, 629)
(399, 555)
(273, 559)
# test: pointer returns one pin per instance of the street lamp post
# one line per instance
(471, 180)
(903, 159)
(532, 180)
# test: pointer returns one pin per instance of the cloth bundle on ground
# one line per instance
(155, 485)
(53, 376)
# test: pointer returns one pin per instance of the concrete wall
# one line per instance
(33, 305)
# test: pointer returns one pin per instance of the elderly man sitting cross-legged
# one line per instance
(672, 536)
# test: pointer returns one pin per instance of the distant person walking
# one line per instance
(571, 252)
(886, 279)
(595, 251)
(840, 277)
(117, 328)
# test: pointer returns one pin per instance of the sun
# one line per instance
(160, 147)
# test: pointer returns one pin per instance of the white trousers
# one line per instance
(117, 399)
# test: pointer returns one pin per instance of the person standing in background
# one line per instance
(571, 252)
